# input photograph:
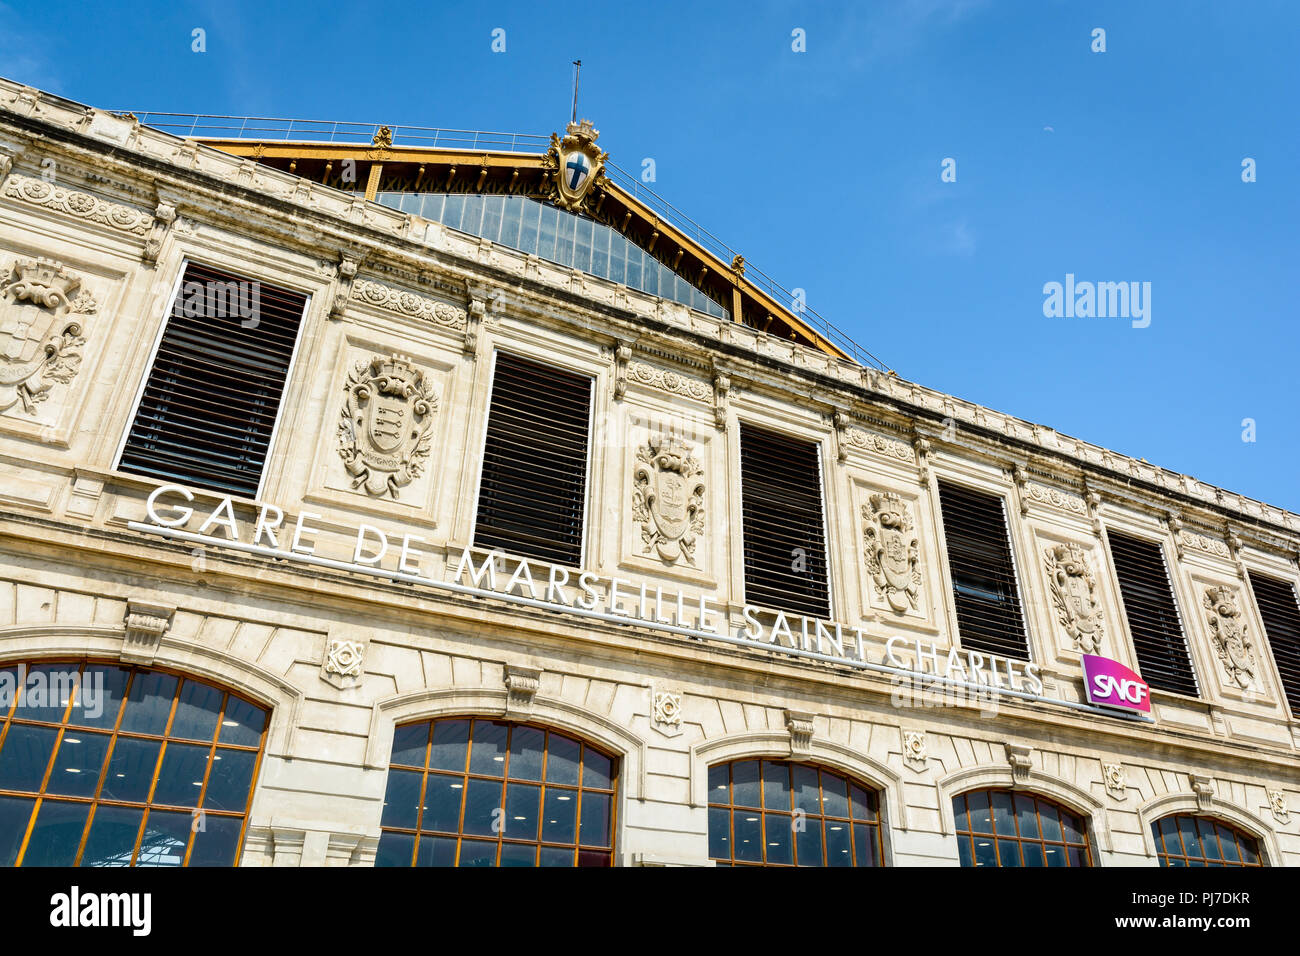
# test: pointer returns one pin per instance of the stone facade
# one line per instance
(342, 659)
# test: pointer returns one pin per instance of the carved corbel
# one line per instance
(721, 396)
(521, 687)
(1093, 502)
(1203, 787)
(164, 215)
(475, 314)
(922, 446)
(1175, 525)
(622, 355)
(1020, 757)
(1021, 478)
(345, 276)
(801, 729)
(841, 423)
(145, 625)
(1235, 545)
(7, 157)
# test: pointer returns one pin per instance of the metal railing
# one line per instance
(213, 126)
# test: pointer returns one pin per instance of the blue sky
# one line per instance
(823, 168)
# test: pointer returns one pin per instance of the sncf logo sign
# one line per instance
(1110, 684)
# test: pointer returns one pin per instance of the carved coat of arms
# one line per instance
(40, 331)
(891, 551)
(1074, 592)
(1228, 631)
(576, 162)
(668, 498)
(385, 432)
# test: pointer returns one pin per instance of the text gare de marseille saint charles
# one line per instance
(584, 594)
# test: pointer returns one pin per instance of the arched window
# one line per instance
(1186, 840)
(480, 792)
(1006, 828)
(102, 765)
(779, 813)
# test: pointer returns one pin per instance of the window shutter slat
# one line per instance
(989, 618)
(533, 491)
(211, 400)
(1152, 615)
(1281, 615)
(781, 503)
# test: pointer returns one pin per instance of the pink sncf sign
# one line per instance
(1110, 684)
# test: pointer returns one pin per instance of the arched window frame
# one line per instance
(494, 704)
(1072, 798)
(775, 745)
(1171, 804)
(77, 655)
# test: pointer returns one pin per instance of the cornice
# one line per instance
(787, 369)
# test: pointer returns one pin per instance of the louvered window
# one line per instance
(1152, 615)
(785, 538)
(1281, 614)
(989, 618)
(532, 495)
(210, 403)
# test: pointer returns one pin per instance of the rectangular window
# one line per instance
(533, 491)
(785, 537)
(1281, 615)
(212, 398)
(1152, 614)
(989, 617)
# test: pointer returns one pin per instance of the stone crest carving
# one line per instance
(385, 432)
(1074, 592)
(668, 499)
(1228, 632)
(891, 550)
(914, 751)
(40, 331)
(1113, 775)
(344, 658)
(667, 709)
(1277, 805)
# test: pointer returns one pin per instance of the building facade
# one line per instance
(339, 529)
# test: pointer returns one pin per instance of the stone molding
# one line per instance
(409, 304)
(665, 380)
(38, 192)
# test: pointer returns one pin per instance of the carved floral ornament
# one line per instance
(1074, 592)
(1228, 631)
(40, 338)
(668, 499)
(386, 425)
(892, 556)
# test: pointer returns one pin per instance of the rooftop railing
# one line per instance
(265, 128)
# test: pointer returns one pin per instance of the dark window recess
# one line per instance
(785, 541)
(1281, 614)
(1152, 615)
(210, 402)
(983, 575)
(532, 495)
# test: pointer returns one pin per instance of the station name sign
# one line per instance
(374, 552)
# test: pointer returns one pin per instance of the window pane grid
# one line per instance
(1218, 844)
(51, 800)
(862, 828)
(582, 848)
(981, 846)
